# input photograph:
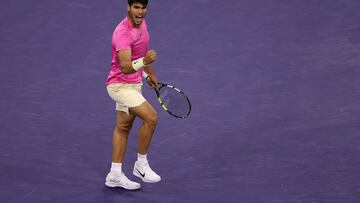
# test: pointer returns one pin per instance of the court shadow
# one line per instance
(108, 195)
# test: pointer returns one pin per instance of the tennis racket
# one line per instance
(172, 100)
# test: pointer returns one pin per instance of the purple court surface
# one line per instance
(274, 86)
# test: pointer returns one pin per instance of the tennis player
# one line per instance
(130, 57)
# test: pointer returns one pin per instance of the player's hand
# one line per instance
(150, 57)
(152, 81)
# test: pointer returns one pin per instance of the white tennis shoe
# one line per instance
(143, 171)
(120, 180)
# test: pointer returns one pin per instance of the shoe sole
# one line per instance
(135, 173)
(115, 185)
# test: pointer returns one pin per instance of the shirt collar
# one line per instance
(129, 24)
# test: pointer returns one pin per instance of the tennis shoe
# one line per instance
(143, 171)
(120, 180)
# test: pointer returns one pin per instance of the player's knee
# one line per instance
(152, 119)
(124, 127)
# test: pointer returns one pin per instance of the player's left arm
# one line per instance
(152, 79)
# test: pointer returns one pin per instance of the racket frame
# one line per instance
(157, 91)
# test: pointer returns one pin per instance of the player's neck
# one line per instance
(133, 23)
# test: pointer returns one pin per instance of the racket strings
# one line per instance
(174, 101)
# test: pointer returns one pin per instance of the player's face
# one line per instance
(137, 13)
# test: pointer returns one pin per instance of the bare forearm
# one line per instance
(127, 67)
(150, 70)
(152, 79)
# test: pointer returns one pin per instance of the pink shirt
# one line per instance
(127, 37)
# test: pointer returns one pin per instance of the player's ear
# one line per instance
(128, 8)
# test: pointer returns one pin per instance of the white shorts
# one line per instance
(126, 95)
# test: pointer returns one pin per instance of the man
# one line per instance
(130, 57)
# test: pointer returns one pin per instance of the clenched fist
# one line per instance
(150, 57)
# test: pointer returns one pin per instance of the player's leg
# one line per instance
(149, 117)
(124, 123)
(122, 95)
(116, 177)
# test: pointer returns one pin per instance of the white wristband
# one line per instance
(145, 75)
(138, 63)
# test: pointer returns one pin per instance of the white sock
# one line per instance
(142, 158)
(116, 167)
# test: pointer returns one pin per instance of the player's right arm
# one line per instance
(126, 64)
(125, 61)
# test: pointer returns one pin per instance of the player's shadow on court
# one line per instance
(117, 195)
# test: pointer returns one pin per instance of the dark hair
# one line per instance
(143, 2)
